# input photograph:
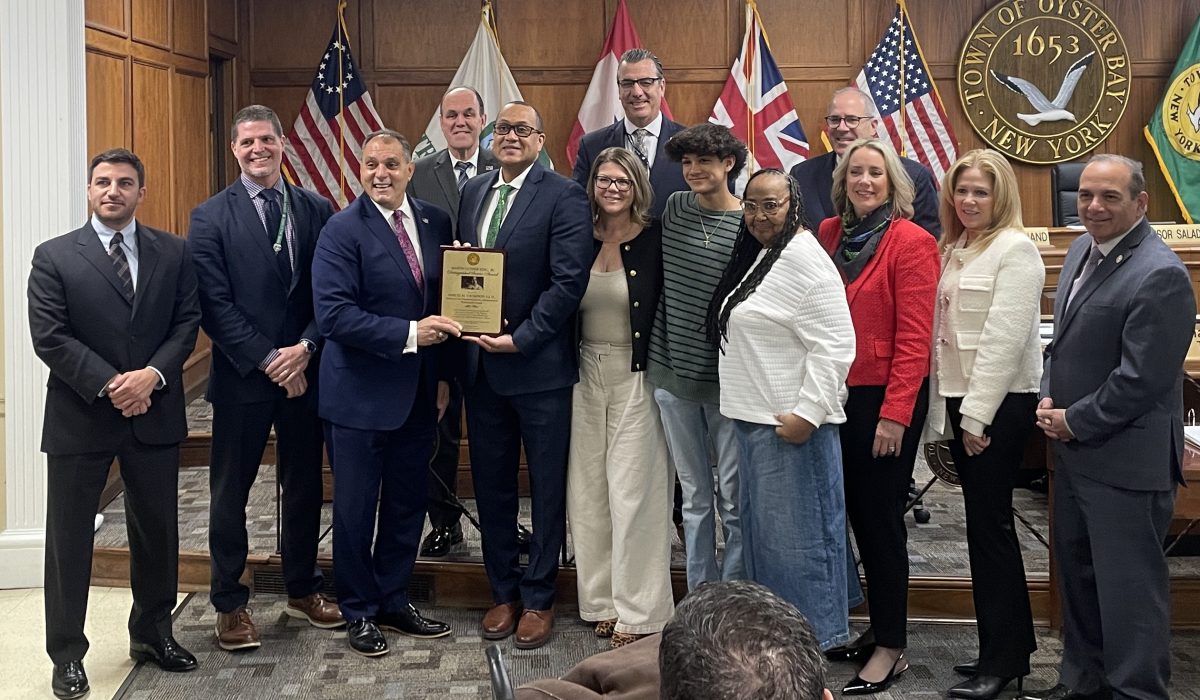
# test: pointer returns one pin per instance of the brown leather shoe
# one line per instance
(317, 609)
(501, 620)
(534, 628)
(235, 630)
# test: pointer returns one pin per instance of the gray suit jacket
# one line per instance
(1116, 363)
(435, 181)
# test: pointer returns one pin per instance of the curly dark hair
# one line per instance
(745, 251)
(708, 140)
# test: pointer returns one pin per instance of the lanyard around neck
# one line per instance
(278, 246)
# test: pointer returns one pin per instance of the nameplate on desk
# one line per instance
(1040, 235)
(1178, 234)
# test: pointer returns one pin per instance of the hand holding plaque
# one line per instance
(473, 288)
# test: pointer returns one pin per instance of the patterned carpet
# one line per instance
(299, 661)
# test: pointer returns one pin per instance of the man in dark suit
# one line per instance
(852, 116)
(252, 244)
(438, 179)
(644, 130)
(518, 384)
(376, 286)
(1112, 401)
(113, 314)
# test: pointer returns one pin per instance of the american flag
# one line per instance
(322, 150)
(756, 107)
(896, 75)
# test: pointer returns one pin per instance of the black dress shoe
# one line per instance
(860, 649)
(365, 638)
(968, 668)
(1062, 692)
(858, 686)
(439, 541)
(409, 621)
(69, 681)
(165, 653)
(982, 687)
(523, 536)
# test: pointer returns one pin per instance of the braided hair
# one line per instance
(745, 250)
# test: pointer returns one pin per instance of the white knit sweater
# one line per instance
(791, 342)
(985, 329)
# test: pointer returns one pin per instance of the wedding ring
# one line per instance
(892, 448)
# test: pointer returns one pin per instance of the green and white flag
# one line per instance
(484, 69)
(1174, 129)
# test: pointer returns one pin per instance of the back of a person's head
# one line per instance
(736, 639)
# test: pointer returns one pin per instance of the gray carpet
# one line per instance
(300, 661)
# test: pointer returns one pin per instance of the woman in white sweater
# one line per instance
(986, 367)
(780, 317)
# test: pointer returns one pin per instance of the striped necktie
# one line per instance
(121, 264)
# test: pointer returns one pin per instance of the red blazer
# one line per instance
(891, 304)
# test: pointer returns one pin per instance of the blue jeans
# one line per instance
(691, 427)
(794, 523)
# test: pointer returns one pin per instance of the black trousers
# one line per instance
(240, 434)
(1001, 594)
(876, 493)
(73, 487)
(445, 464)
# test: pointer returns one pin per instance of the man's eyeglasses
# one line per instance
(644, 83)
(503, 129)
(769, 207)
(851, 120)
(603, 182)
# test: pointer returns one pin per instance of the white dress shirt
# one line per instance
(653, 130)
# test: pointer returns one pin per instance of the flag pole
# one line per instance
(900, 111)
(752, 86)
(343, 39)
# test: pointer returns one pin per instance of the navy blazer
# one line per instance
(1116, 362)
(665, 177)
(548, 237)
(435, 181)
(366, 298)
(249, 308)
(87, 332)
(815, 177)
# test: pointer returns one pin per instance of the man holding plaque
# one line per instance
(518, 382)
(376, 276)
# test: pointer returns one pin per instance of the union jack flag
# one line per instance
(756, 107)
(896, 76)
(322, 151)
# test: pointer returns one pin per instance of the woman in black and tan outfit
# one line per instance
(986, 368)
(618, 482)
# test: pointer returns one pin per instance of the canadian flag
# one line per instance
(601, 105)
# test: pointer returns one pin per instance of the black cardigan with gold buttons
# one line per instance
(642, 259)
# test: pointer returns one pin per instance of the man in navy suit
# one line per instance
(852, 116)
(252, 245)
(113, 314)
(644, 130)
(518, 384)
(438, 179)
(376, 286)
(1112, 402)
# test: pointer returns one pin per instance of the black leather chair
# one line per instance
(502, 687)
(1064, 184)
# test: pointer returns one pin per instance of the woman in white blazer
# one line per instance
(986, 367)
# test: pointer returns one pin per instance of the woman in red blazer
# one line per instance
(890, 267)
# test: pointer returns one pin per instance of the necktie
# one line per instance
(638, 140)
(462, 168)
(497, 216)
(121, 263)
(1093, 262)
(274, 217)
(410, 253)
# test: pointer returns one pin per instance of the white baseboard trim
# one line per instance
(22, 558)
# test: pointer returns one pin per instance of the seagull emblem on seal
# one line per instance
(1047, 110)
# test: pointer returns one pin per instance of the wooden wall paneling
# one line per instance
(190, 153)
(223, 19)
(572, 40)
(152, 101)
(189, 28)
(291, 34)
(687, 33)
(691, 102)
(407, 108)
(107, 15)
(1153, 35)
(792, 25)
(559, 106)
(152, 22)
(108, 101)
(286, 101)
(447, 28)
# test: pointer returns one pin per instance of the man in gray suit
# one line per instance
(437, 179)
(1112, 402)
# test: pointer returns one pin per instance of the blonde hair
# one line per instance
(899, 183)
(643, 195)
(1006, 199)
